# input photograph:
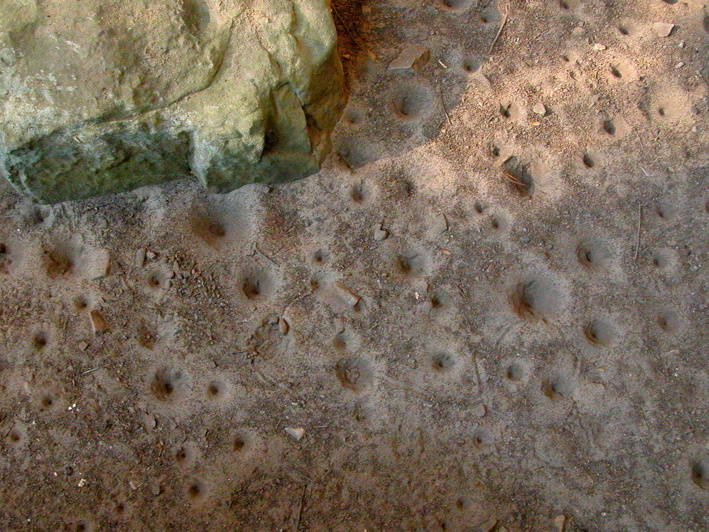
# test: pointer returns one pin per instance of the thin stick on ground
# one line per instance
(478, 379)
(265, 256)
(515, 180)
(443, 103)
(637, 239)
(499, 31)
(97, 368)
(640, 140)
(401, 386)
(347, 29)
(300, 509)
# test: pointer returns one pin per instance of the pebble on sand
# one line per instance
(540, 109)
(411, 59)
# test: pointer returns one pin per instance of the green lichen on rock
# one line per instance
(103, 96)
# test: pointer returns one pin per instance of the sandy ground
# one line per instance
(482, 315)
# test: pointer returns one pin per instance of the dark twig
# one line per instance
(300, 510)
(264, 255)
(637, 239)
(347, 29)
(499, 31)
(515, 180)
(443, 103)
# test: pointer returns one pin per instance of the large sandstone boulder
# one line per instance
(101, 96)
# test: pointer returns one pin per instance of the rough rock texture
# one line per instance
(102, 96)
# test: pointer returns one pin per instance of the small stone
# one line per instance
(100, 265)
(150, 255)
(540, 109)
(139, 259)
(578, 30)
(560, 522)
(296, 433)
(346, 295)
(600, 47)
(411, 59)
(83, 346)
(680, 64)
(150, 422)
(82, 483)
(491, 525)
(663, 29)
(480, 410)
(283, 326)
(380, 233)
(98, 324)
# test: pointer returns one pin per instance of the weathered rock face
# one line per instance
(102, 96)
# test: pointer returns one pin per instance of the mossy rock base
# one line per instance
(109, 96)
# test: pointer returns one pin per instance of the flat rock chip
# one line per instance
(103, 96)
(663, 29)
(411, 59)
